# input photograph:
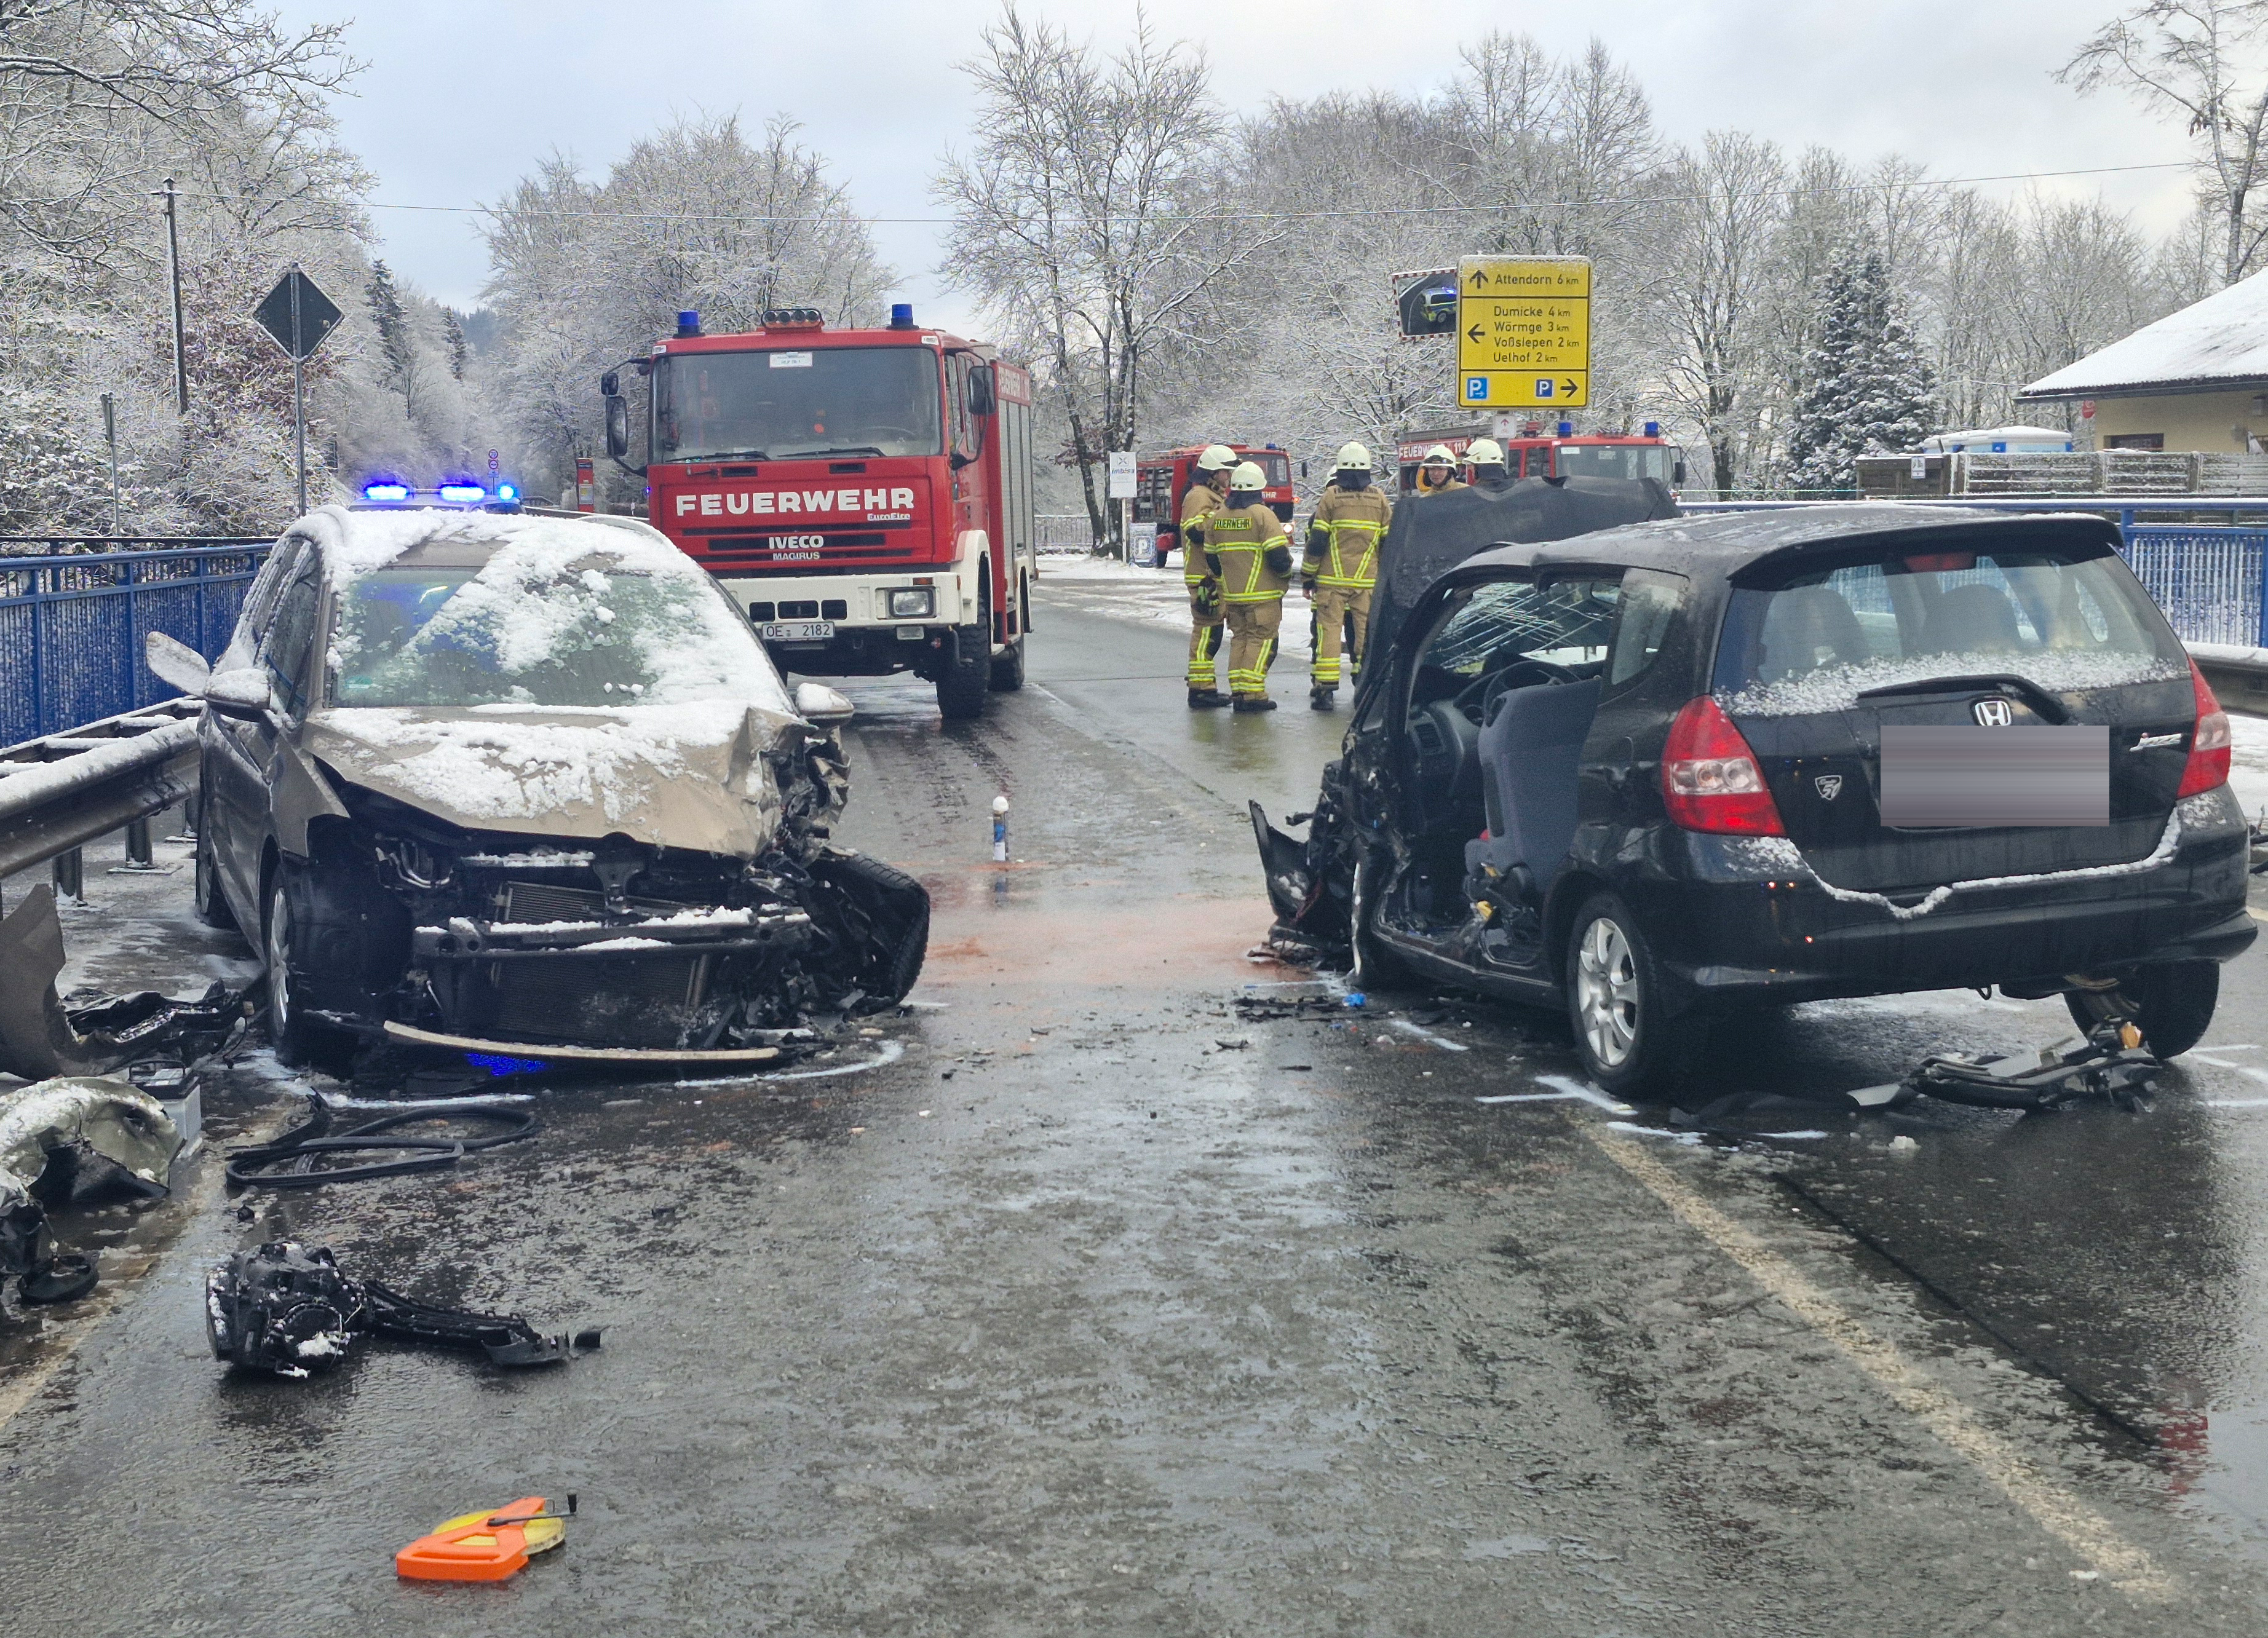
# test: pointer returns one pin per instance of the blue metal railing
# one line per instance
(2208, 577)
(71, 627)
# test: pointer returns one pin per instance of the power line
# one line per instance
(1339, 213)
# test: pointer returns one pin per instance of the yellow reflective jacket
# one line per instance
(1247, 547)
(1202, 501)
(1344, 536)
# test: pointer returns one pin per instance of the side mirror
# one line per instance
(610, 384)
(1677, 474)
(981, 401)
(242, 693)
(174, 662)
(821, 706)
(618, 425)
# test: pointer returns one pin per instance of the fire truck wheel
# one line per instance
(1008, 669)
(962, 687)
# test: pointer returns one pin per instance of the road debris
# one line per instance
(41, 1038)
(289, 1310)
(2109, 1063)
(69, 1138)
(294, 1160)
(491, 1544)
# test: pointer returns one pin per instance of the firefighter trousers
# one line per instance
(1252, 628)
(1205, 628)
(1333, 604)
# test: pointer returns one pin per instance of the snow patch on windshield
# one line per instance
(505, 770)
(1837, 687)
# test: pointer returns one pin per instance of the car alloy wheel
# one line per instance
(1607, 993)
(280, 1017)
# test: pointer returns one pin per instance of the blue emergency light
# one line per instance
(385, 489)
(1566, 429)
(1653, 429)
(507, 491)
(901, 315)
(463, 494)
(689, 324)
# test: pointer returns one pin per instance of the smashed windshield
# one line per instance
(1563, 622)
(538, 632)
(786, 403)
(1817, 643)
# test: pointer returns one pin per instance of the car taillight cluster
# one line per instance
(1709, 777)
(2207, 768)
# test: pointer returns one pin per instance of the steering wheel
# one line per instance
(1520, 674)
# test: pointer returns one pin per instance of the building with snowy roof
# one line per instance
(2196, 380)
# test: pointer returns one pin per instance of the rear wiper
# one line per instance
(814, 454)
(2041, 702)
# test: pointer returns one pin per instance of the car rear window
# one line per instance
(2064, 621)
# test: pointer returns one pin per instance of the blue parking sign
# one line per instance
(1476, 389)
(1543, 384)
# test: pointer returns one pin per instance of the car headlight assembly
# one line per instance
(912, 602)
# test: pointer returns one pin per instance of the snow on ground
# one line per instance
(2248, 763)
(1157, 596)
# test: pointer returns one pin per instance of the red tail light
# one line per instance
(1710, 779)
(2208, 764)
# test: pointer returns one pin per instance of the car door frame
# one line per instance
(231, 790)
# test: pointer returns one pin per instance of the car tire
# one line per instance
(962, 686)
(210, 902)
(298, 1039)
(2173, 1003)
(1008, 669)
(1628, 1047)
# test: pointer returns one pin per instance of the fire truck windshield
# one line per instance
(1613, 460)
(784, 404)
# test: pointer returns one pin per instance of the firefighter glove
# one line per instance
(1280, 558)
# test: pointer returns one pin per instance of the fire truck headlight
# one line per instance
(912, 603)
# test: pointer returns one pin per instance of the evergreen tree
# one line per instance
(395, 347)
(453, 337)
(1867, 388)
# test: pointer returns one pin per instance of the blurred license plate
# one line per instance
(799, 631)
(1982, 776)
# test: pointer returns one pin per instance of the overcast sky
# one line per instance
(460, 97)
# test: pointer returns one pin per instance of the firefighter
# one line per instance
(1485, 457)
(1251, 559)
(1437, 473)
(1208, 494)
(1340, 568)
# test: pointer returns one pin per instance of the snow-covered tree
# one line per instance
(1867, 390)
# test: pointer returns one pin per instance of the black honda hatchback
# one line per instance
(1662, 772)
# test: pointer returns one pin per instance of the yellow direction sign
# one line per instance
(1524, 332)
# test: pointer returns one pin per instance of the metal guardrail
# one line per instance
(72, 625)
(61, 791)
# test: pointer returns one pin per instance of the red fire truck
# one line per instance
(1161, 480)
(1537, 452)
(864, 494)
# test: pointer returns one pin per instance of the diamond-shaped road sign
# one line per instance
(298, 315)
(1524, 332)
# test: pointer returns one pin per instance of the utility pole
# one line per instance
(174, 269)
(110, 437)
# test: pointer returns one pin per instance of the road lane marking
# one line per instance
(2257, 915)
(1563, 1089)
(1426, 1035)
(2016, 1475)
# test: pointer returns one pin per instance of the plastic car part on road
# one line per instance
(84, 1123)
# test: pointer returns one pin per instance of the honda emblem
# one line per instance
(1993, 713)
(1829, 786)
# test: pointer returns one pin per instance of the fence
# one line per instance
(72, 626)
(1063, 532)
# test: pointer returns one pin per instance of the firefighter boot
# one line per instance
(1323, 699)
(1206, 699)
(1255, 703)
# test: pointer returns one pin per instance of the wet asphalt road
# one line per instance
(1090, 1305)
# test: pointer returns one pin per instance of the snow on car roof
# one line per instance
(2223, 338)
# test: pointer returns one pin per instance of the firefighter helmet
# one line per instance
(1216, 458)
(1484, 453)
(1439, 456)
(1247, 475)
(1354, 458)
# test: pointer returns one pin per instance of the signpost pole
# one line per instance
(298, 396)
(110, 437)
(174, 273)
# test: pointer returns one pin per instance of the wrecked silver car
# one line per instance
(497, 782)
